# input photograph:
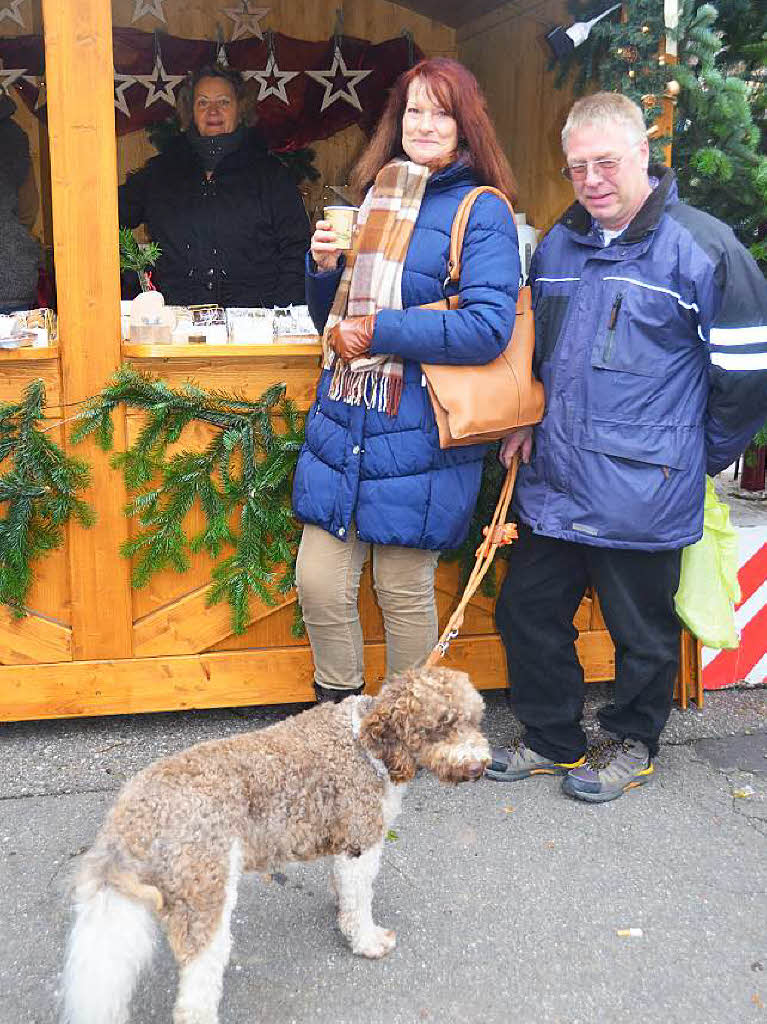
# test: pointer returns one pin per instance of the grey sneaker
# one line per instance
(515, 762)
(612, 768)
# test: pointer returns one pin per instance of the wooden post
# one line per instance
(668, 101)
(79, 76)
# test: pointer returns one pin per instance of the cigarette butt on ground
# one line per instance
(630, 933)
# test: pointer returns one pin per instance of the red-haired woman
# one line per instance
(371, 474)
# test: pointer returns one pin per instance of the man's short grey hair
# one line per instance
(605, 108)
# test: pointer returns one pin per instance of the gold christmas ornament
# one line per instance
(673, 88)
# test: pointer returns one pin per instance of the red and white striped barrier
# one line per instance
(748, 663)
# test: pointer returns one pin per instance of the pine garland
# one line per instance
(39, 493)
(242, 482)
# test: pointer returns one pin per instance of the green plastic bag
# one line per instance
(708, 584)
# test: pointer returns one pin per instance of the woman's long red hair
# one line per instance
(457, 91)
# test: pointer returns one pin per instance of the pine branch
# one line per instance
(134, 256)
(241, 483)
(40, 494)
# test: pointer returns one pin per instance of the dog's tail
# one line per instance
(112, 939)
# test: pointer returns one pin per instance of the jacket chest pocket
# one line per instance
(619, 348)
(635, 333)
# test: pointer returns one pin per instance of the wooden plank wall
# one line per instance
(508, 53)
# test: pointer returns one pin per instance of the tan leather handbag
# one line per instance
(478, 404)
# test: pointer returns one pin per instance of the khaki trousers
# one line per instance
(328, 574)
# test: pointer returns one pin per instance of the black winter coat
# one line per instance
(238, 239)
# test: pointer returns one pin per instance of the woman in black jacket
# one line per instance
(227, 216)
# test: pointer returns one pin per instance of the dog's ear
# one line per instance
(382, 734)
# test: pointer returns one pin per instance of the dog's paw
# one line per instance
(376, 943)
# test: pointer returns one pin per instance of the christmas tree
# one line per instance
(718, 148)
(719, 153)
(620, 55)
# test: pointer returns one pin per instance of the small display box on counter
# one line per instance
(29, 328)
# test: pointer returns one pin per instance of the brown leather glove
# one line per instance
(353, 337)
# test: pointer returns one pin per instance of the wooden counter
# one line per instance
(28, 355)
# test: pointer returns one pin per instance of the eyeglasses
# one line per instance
(605, 167)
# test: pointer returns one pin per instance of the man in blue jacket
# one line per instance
(651, 342)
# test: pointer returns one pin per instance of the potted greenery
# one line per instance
(752, 477)
(138, 258)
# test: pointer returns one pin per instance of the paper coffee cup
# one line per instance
(342, 220)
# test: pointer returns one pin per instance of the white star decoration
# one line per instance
(12, 12)
(10, 76)
(153, 7)
(122, 82)
(159, 84)
(38, 81)
(246, 20)
(221, 58)
(42, 95)
(336, 89)
(271, 80)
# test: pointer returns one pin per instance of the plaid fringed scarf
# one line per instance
(372, 280)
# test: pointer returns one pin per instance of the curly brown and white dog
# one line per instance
(327, 782)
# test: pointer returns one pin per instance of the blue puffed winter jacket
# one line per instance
(653, 355)
(388, 474)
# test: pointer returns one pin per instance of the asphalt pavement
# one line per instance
(509, 900)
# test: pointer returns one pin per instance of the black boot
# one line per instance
(327, 693)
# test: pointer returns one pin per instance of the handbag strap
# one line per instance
(458, 230)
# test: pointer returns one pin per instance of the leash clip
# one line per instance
(444, 644)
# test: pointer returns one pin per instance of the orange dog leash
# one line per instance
(498, 533)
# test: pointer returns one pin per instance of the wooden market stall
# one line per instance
(91, 644)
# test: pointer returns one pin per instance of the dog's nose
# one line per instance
(474, 769)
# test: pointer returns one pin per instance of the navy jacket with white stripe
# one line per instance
(653, 355)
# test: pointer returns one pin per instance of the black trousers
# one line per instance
(544, 585)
